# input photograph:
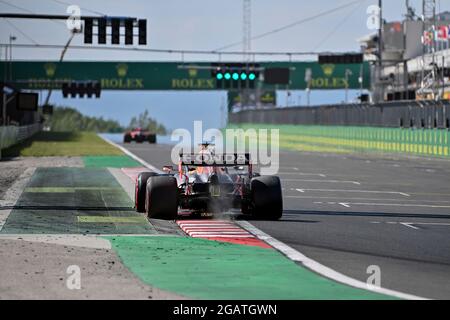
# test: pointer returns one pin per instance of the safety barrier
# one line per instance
(418, 127)
(11, 135)
(415, 114)
(430, 142)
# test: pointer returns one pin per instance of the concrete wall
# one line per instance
(417, 114)
(336, 139)
(11, 135)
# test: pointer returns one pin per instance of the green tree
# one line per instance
(69, 119)
(144, 121)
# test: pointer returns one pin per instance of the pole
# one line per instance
(4, 105)
(5, 72)
(443, 77)
(11, 39)
(308, 92)
(47, 100)
(10, 59)
(348, 73)
(361, 79)
(380, 48)
(5, 75)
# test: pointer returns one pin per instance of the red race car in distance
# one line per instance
(139, 135)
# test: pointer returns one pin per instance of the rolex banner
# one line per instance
(120, 75)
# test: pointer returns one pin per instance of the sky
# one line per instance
(196, 25)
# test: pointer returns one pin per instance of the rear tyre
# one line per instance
(151, 138)
(161, 200)
(127, 138)
(139, 139)
(266, 197)
(140, 189)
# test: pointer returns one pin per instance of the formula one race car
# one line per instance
(139, 135)
(209, 183)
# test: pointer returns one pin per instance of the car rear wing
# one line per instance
(215, 160)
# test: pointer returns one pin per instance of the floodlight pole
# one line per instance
(47, 100)
(380, 49)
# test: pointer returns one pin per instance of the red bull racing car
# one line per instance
(209, 183)
(139, 135)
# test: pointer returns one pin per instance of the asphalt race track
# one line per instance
(352, 211)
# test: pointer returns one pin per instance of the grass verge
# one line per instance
(62, 144)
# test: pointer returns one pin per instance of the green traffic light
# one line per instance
(251, 76)
(227, 76)
(235, 76)
(243, 76)
(219, 76)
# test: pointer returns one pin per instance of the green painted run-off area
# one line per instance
(110, 162)
(204, 269)
(75, 201)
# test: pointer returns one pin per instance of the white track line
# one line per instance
(431, 223)
(367, 199)
(358, 191)
(127, 152)
(203, 225)
(387, 204)
(213, 229)
(409, 225)
(412, 224)
(223, 234)
(327, 181)
(213, 235)
(302, 174)
(210, 227)
(241, 231)
(315, 266)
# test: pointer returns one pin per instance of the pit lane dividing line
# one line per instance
(357, 191)
(367, 199)
(303, 174)
(349, 204)
(325, 181)
(412, 225)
